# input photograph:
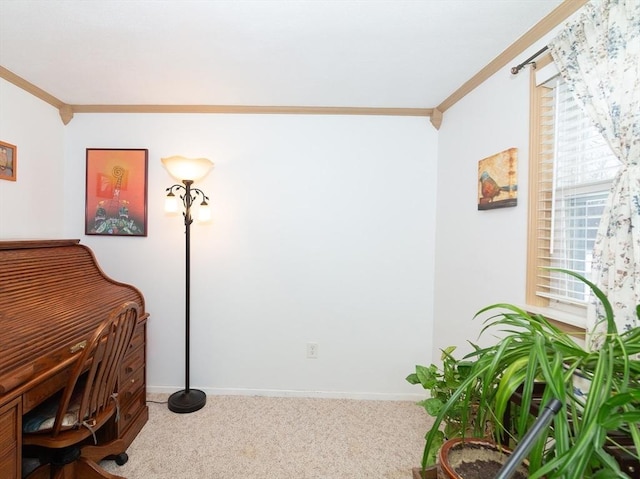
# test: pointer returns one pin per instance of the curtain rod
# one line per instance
(515, 70)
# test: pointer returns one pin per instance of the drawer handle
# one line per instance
(78, 347)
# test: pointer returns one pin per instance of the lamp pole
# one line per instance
(188, 400)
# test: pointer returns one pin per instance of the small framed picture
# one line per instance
(116, 192)
(8, 161)
(498, 180)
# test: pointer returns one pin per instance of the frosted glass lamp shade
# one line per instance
(182, 168)
(171, 203)
(204, 212)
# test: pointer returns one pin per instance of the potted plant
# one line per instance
(474, 458)
(441, 382)
(532, 352)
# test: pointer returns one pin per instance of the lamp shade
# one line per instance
(171, 204)
(204, 213)
(182, 168)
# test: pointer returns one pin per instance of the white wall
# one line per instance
(480, 255)
(32, 206)
(323, 232)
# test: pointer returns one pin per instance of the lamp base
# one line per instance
(187, 401)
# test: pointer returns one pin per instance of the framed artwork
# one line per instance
(498, 180)
(116, 192)
(8, 161)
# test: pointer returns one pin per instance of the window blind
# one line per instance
(575, 170)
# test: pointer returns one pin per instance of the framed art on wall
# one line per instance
(8, 161)
(498, 180)
(116, 192)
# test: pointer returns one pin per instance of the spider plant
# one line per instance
(530, 351)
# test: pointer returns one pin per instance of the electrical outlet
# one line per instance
(312, 350)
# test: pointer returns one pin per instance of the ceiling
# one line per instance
(324, 53)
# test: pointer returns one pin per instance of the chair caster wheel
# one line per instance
(122, 458)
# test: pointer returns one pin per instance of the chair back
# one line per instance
(93, 380)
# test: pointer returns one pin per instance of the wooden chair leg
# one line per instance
(63, 472)
(81, 469)
(49, 471)
(98, 453)
(87, 469)
(41, 472)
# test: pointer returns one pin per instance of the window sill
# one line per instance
(574, 321)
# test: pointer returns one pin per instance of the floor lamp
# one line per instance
(187, 171)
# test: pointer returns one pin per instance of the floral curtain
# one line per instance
(598, 54)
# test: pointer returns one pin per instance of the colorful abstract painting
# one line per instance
(116, 195)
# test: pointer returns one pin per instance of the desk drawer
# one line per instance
(10, 422)
(9, 463)
(9, 425)
(44, 390)
(131, 410)
(138, 337)
(130, 386)
(132, 363)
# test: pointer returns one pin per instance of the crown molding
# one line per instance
(256, 110)
(29, 87)
(544, 26)
(559, 14)
(67, 111)
(252, 109)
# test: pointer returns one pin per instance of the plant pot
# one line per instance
(428, 473)
(473, 458)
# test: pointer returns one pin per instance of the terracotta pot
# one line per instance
(473, 458)
(428, 473)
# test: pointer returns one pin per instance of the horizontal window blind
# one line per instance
(575, 170)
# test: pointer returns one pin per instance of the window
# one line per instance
(572, 168)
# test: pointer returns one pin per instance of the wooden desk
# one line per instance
(53, 295)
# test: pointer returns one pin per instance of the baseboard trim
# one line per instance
(294, 393)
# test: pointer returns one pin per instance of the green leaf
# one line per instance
(611, 324)
(413, 378)
(433, 406)
(432, 453)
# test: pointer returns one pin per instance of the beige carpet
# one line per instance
(279, 438)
